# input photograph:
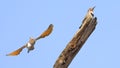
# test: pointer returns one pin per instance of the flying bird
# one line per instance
(89, 16)
(32, 41)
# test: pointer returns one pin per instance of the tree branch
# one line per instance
(75, 44)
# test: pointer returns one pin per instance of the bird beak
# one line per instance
(93, 8)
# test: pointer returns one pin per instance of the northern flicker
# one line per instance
(32, 41)
(89, 16)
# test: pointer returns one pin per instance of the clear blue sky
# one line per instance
(21, 19)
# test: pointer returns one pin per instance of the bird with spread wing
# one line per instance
(32, 41)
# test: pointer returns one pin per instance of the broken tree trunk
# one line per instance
(75, 44)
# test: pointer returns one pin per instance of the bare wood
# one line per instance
(75, 44)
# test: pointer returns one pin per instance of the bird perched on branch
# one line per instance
(32, 41)
(89, 16)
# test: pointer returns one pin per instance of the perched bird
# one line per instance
(32, 41)
(89, 16)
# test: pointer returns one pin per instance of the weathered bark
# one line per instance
(75, 44)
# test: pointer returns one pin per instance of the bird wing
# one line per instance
(46, 32)
(82, 22)
(16, 52)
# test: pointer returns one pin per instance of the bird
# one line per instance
(89, 16)
(30, 44)
(46, 33)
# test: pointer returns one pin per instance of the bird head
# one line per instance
(31, 39)
(91, 10)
